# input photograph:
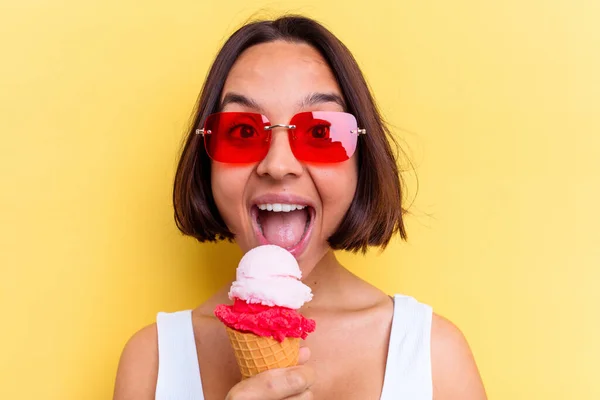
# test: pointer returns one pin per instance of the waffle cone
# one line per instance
(255, 354)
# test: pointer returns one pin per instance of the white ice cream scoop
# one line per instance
(270, 275)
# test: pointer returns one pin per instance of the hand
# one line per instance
(291, 383)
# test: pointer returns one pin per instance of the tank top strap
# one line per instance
(178, 370)
(408, 367)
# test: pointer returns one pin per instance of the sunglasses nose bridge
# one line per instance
(271, 127)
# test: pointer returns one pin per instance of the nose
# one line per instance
(280, 161)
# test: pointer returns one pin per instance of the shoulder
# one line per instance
(454, 371)
(138, 366)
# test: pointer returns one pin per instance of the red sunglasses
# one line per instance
(316, 136)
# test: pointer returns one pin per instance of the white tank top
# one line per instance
(407, 372)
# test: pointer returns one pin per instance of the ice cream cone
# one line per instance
(263, 323)
(256, 354)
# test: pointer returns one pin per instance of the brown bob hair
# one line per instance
(376, 211)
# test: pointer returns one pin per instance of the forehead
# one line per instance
(279, 75)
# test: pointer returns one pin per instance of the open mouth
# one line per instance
(285, 225)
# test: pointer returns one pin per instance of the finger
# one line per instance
(287, 382)
(275, 384)
(307, 374)
(304, 355)
(306, 395)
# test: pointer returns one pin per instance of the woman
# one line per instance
(288, 148)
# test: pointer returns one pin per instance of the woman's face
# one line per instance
(280, 79)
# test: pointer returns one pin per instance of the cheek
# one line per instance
(228, 185)
(336, 186)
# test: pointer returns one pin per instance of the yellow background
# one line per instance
(497, 100)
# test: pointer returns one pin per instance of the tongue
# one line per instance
(283, 229)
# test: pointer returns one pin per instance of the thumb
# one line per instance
(303, 355)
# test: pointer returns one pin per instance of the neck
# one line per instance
(326, 280)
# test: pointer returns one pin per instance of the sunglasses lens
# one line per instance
(323, 136)
(236, 137)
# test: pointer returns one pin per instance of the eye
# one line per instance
(320, 132)
(243, 131)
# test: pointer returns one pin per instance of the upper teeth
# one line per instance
(279, 207)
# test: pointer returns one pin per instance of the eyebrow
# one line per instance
(310, 100)
(318, 98)
(236, 98)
